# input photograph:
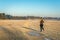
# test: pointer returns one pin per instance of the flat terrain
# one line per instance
(29, 30)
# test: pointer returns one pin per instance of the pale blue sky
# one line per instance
(45, 8)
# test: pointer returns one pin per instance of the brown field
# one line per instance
(29, 30)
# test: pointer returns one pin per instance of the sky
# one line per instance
(43, 8)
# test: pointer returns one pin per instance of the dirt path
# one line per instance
(14, 34)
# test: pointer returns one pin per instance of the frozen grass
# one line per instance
(21, 30)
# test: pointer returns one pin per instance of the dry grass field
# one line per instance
(29, 30)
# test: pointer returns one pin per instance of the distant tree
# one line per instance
(8, 17)
(2, 15)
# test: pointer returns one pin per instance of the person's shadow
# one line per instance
(30, 29)
(33, 32)
(37, 33)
